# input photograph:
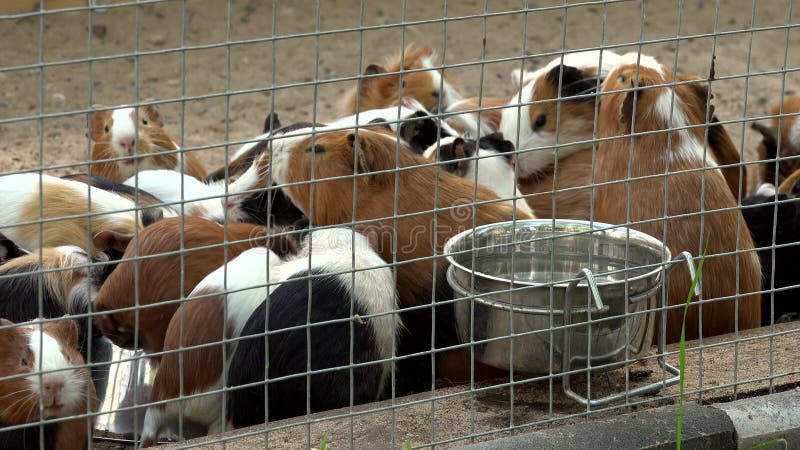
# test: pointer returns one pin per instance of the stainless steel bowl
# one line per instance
(529, 280)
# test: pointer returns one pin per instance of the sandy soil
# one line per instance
(219, 71)
(219, 93)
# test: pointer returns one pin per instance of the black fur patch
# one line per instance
(573, 81)
(271, 122)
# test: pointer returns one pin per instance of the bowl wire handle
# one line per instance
(652, 387)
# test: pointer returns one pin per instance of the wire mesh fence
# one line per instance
(389, 223)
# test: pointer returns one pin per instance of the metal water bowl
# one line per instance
(545, 296)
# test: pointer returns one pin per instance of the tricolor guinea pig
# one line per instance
(128, 139)
(383, 86)
(69, 279)
(331, 291)
(784, 125)
(491, 156)
(373, 158)
(554, 108)
(644, 95)
(772, 218)
(61, 207)
(357, 308)
(189, 245)
(40, 365)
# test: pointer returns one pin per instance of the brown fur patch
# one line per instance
(160, 277)
(780, 127)
(203, 322)
(647, 203)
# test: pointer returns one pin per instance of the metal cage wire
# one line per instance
(510, 397)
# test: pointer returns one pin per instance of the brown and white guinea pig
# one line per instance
(331, 291)
(384, 85)
(373, 158)
(689, 218)
(69, 279)
(206, 246)
(40, 365)
(122, 145)
(785, 127)
(541, 117)
(61, 208)
(476, 116)
(492, 155)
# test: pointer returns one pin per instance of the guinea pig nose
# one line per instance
(53, 385)
(127, 143)
(434, 111)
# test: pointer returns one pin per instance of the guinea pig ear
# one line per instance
(97, 122)
(10, 250)
(374, 69)
(65, 331)
(5, 323)
(517, 79)
(496, 141)
(271, 122)
(372, 154)
(574, 81)
(108, 239)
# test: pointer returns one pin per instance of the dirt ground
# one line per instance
(220, 93)
(220, 71)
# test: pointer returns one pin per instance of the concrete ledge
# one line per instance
(762, 419)
(704, 427)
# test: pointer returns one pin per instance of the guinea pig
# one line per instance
(785, 125)
(40, 365)
(123, 146)
(562, 114)
(247, 278)
(371, 328)
(206, 246)
(382, 86)
(373, 158)
(492, 155)
(759, 211)
(31, 198)
(153, 208)
(634, 191)
(69, 280)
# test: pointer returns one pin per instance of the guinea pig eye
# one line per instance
(106, 128)
(316, 149)
(24, 362)
(435, 94)
(144, 121)
(540, 121)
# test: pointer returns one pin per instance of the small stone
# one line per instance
(59, 98)
(99, 31)
(173, 83)
(157, 40)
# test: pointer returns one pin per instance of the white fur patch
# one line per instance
(689, 145)
(794, 133)
(765, 190)
(122, 128)
(47, 358)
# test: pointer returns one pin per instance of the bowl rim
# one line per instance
(591, 226)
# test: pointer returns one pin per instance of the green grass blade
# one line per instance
(682, 353)
(771, 443)
(324, 443)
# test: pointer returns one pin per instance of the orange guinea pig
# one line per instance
(143, 145)
(383, 85)
(699, 202)
(787, 128)
(64, 388)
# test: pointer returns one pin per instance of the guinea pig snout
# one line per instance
(52, 385)
(126, 144)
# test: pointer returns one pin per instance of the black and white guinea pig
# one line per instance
(362, 306)
(69, 278)
(492, 155)
(64, 388)
(409, 120)
(759, 213)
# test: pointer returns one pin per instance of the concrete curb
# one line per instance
(740, 424)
